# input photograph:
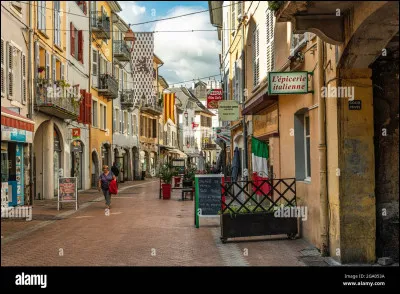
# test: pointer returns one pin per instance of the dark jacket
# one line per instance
(115, 170)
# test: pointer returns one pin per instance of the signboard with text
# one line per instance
(76, 133)
(16, 135)
(213, 96)
(287, 83)
(228, 110)
(67, 191)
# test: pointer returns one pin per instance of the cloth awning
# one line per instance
(177, 151)
(15, 127)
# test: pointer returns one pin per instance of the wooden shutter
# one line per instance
(53, 68)
(88, 108)
(72, 33)
(270, 41)
(3, 69)
(23, 78)
(10, 61)
(82, 117)
(47, 65)
(80, 46)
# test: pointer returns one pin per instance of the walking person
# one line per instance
(115, 171)
(104, 181)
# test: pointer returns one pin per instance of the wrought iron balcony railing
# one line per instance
(57, 98)
(100, 24)
(121, 50)
(108, 86)
(152, 109)
(127, 99)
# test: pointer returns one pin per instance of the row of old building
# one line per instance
(339, 137)
(80, 90)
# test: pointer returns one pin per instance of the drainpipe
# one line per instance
(245, 161)
(31, 103)
(322, 153)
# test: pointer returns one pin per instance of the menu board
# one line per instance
(67, 190)
(208, 195)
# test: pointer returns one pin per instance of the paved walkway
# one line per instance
(140, 230)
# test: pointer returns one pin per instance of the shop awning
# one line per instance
(12, 119)
(177, 151)
(15, 127)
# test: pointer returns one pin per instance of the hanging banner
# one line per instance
(287, 83)
(213, 96)
(228, 110)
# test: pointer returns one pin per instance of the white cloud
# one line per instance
(187, 55)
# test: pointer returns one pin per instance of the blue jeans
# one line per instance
(107, 196)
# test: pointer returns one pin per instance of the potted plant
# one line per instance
(41, 69)
(188, 177)
(166, 174)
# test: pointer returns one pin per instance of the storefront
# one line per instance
(16, 134)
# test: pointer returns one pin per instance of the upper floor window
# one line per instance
(256, 59)
(76, 41)
(269, 23)
(41, 15)
(94, 114)
(57, 23)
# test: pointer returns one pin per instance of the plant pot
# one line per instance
(166, 191)
(256, 224)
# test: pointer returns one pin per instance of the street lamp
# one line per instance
(130, 38)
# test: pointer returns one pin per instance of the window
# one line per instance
(103, 116)
(141, 125)
(125, 122)
(125, 80)
(116, 120)
(256, 62)
(154, 128)
(57, 23)
(94, 114)
(270, 40)
(95, 62)
(77, 45)
(134, 125)
(302, 140)
(121, 122)
(13, 72)
(307, 145)
(41, 15)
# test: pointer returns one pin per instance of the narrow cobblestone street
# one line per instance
(141, 230)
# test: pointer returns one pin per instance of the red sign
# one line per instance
(194, 125)
(76, 133)
(213, 97)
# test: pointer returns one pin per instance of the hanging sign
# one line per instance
(228, 110)
(76, 133)
(287, 83)
(213, 96)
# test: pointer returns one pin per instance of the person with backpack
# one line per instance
(115, 170)
(104, 182)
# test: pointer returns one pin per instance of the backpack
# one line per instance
(115, 170)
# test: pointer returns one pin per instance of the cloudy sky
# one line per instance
(186, 55)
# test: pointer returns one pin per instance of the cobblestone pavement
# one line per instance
(141, 230)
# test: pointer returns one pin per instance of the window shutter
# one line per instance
(62, 71)
(233, 14)
(121, 74)
(80, 46)
(23, 78)
(81, 117)
(37, 59)
(39, 15)
(3, 70)
(88, 108)
(47, 65)
(53, 68)
(10, 51)
(72, 34)
(270, 41)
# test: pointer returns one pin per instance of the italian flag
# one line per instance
(259, 155)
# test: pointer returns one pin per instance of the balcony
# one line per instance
(121, 51)
(152, 109)
(108, 86)
(127, 99)
(56, 99)
(100, 25)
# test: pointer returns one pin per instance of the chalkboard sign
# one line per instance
(208, 196)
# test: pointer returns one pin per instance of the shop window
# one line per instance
(302, 143)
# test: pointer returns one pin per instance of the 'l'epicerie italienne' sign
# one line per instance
(287, 83)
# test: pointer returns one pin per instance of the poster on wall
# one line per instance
(67, 191)
(19, 174)
(213, 96)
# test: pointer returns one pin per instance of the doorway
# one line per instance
(77, 162)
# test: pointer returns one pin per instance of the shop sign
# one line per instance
(228, 110)
(76, 133)
(355, 105)
(265, 122)
(67, 191)
(76, 146)
(213, 96)
(15, 135)
(287, 83)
